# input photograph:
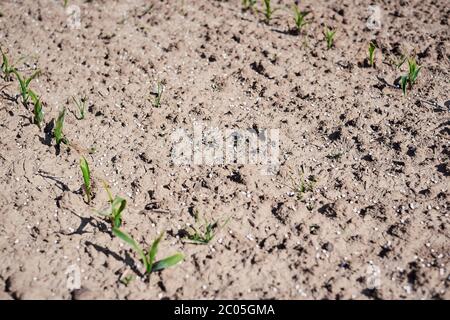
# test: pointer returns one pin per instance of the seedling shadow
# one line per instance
(61, 185)
(8, 97)
(182, 233)
(289, 32)
(87, 221)
(447, 104)
(365, 63)
(387, 84)
(95, 223)
(48, 129)
(437, 107)
(30, 119)
(128, 260)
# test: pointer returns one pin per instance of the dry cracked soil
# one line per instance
(358, 207)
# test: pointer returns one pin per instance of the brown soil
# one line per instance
(380, 159)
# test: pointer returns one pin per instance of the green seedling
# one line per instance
(117, 205)
(66, 3)
(7, 69)
(398, 63)
(84, 166)
(148, 259)
(249, 4)
(204, 233)
(126, 280)
(37, 110)
(414, 70)
(411, 78)
(301, 184)
(58, 131)
(268, 10)
(24, 83)
(403, 83)
(299, 18)
(81, 106)
(158, 95)
(372, 48)
(329, 37)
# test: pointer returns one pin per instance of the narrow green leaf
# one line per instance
(117, 206)
(401, 62)
(33, 96)
(106, 186)
(86, 177)
(129, 240)
(372, 48)
(58, 131)
(19, 77)
(38, 114)
(22, 86)
(81, 106)
(403, 83)
(168, 262)
(34, 75)
(153, 251)
(416, 74)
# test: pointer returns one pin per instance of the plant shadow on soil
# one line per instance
(61, 185)
(101, 226)
(128, 260)
(48, 129)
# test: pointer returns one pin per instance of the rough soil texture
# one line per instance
(378, 212)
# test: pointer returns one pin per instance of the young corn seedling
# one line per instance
(204, 233)
(37, 110)
(372, 48)
(249, 4)
(58, 131)
(158, 94)
(81, 106)
(399, 62)
(301, 185)
(148, 258)
(329, 37)
(268, 10)
(411, 77)
(299, 18)
(24, 83)
(7, 69)
(126, 280)
(84, 166)
(117, 205)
